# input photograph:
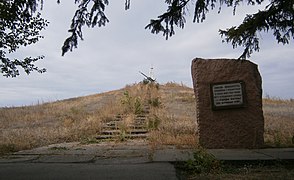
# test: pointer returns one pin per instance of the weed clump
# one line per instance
(155, 102)
(203, 162)
(153, 122)
(7, 148)
(132, 105)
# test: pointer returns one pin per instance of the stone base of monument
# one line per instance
(228, 103)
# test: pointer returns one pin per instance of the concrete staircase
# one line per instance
(123, 127)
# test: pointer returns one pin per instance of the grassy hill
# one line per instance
(171, 118)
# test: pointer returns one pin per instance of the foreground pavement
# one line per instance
(127, 160)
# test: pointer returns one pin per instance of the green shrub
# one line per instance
(146, 81)
(127, 101)
(122, 135)
(153, 122)
(203, 162)
(7, 148)
(155, 102)
(138, 109)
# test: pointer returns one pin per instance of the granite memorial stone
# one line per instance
(228, 103)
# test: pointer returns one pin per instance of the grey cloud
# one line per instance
(110, 57)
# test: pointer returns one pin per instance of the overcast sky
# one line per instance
(111, 57)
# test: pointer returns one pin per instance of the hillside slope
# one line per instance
(79, 119)
(171, 118)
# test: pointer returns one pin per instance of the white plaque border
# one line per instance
(223, 107)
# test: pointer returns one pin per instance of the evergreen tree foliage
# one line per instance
(20, 25)
(90, 13)
(277, 17)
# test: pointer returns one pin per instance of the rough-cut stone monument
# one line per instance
(228, 103)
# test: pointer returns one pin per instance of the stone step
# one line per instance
(110, 132)
(140, 120)
(101, 137)
(132, 126)
(139, 123)
(111, 123)
(137, 118)
(130, 136)
(141, 117)
(137, 136)
(129, 131)
(137, 131)
(137, 126)
(109, 128)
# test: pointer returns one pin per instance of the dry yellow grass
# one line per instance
(176, 117)
(279, 122)
(171, 120)
(62, 121)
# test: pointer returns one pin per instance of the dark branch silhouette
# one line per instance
(21, 22)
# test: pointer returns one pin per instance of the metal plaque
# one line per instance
(227, 95)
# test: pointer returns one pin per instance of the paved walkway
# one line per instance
(269, 154)
(128, 160)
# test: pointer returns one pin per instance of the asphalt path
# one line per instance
(32, 171)
(128, 160)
